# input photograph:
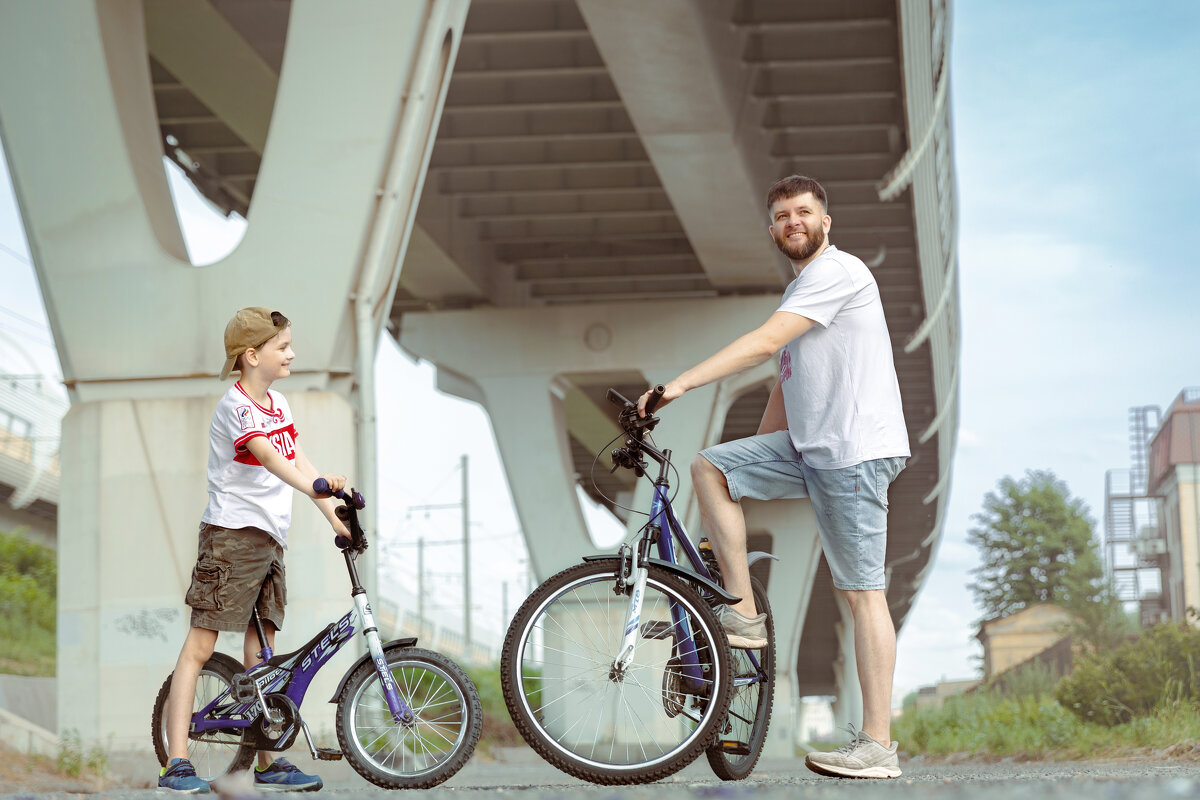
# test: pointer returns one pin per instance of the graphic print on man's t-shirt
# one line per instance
(785, 365)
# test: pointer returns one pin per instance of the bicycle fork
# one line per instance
(401, 713)
(629, 572)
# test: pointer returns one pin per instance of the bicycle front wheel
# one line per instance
(448, 719)
(736, 751)
(593, 719)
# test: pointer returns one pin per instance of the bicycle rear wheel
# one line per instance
(213, 753)
(602, 724)
(738, 747)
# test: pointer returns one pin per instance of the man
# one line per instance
(833, 431)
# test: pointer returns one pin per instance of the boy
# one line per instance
(254, 461)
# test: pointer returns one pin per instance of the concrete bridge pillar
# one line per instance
(138, 328)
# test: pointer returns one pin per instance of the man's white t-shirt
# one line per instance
(838, 379)
(241, 491)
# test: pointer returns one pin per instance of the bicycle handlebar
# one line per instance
(347, 513)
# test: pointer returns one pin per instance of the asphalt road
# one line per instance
(533, 780)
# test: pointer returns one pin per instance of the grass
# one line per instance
(75, 769)
(990, 725)
(498, 729)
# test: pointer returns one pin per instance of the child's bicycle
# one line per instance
(617, 670)
(407, 718)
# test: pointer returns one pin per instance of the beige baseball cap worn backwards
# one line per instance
(250, 328)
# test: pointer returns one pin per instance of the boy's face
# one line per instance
(275, 357)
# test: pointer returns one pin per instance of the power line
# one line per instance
(18, 256)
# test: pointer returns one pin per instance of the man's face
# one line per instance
(799, 226)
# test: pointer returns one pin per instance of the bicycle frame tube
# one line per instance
(664, 514)
(293, 673)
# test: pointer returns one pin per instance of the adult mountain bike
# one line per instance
(617, 670)
(407, 718)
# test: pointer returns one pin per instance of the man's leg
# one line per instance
(197, 649)
(875, 655)
(722, 519)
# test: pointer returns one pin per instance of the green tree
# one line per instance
(1037, 546)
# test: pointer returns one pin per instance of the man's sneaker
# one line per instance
(180, 776)
(282, 775)
(744, 633)
(863, 757)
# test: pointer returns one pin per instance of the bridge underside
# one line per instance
(600, 151)
(614, 154)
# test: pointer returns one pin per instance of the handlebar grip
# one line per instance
(321, 486)
(655, 396)
(618, 399)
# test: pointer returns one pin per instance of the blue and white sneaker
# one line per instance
(282, 775)
(179, 776)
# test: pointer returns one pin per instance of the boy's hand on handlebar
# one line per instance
(341, 534)
(671, 391)
(336, 484)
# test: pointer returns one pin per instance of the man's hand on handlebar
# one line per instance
(669, 391)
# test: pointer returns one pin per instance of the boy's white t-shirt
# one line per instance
(838, 379)
(241, 491)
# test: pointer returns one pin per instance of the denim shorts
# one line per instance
(850, 503)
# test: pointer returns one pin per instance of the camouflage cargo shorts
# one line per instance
(235, 571)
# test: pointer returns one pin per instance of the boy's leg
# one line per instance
(197, 649)
(250, 650)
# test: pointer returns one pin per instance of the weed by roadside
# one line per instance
(75, 769)
(498, 729)
(987, 725)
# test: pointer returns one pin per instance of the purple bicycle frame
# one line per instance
(292, 673)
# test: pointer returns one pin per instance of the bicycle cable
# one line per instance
(599, 491)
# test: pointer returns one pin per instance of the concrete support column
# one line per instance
(128, 544)
(138, 328)
(793, 531)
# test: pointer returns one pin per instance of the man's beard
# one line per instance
(805, 249)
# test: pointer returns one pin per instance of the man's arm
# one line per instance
(753, 348)
(774, 416)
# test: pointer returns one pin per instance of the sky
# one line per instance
(1077, 147)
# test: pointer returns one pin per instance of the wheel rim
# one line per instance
(212, 759)
(438, 730)
(567, 688)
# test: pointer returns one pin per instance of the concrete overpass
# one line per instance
(543, 197)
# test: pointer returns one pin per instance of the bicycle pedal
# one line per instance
(242, 688)
(328, 754)
(734, 748)
(656, 629)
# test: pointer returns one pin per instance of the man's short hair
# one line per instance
(795, 185)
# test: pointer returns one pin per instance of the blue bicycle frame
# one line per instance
(662, 516)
